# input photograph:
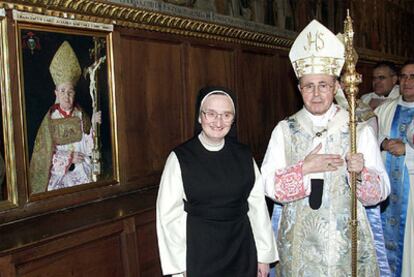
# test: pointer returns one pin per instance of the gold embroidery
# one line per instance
(317, 41)
(66, 130)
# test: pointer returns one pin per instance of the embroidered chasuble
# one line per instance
(56, 140)
(317, 242)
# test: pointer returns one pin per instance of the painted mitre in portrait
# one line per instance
(65, 67)
(317, 51)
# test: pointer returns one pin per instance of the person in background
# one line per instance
(212, 218)
(394, 118)
(384, 83)
(307, 165)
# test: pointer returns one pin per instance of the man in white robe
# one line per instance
(394, 118)
(307, 165)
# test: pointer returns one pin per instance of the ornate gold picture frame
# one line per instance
(8, 184)
(67, 104)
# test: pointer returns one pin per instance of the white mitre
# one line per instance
(317, 51)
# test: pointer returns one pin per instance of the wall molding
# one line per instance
(133, 17)
(162, 17)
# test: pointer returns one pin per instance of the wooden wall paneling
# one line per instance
(187, 125)
(31, 243)
(100, 258)
(256, 98)
(146, 237)
(93, 252)
(129, 248)
(7, 268)
(125, 248)
(290, 100)
(28, 231)
(152, 86)
(207, 65)
(365, 69)
(285, 98)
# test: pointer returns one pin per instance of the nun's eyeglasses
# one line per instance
(227, 117)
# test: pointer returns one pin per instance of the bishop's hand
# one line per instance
(355, 162)
(315, 163)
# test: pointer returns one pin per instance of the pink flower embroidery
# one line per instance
(369, 189)
(289, 183)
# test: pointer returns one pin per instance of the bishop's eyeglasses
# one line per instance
(322, 87)
(210, 116)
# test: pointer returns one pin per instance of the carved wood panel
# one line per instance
(147, 246)
(152, 87)
(94, 252)
(124, 248)
(258, 99)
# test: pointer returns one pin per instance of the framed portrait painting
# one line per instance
(67, 100)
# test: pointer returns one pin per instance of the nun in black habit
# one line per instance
(212, 218)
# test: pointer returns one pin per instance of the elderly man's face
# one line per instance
(383, 80)
(407, 82)
(216, 117)
(65, 95)
(318, 92)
